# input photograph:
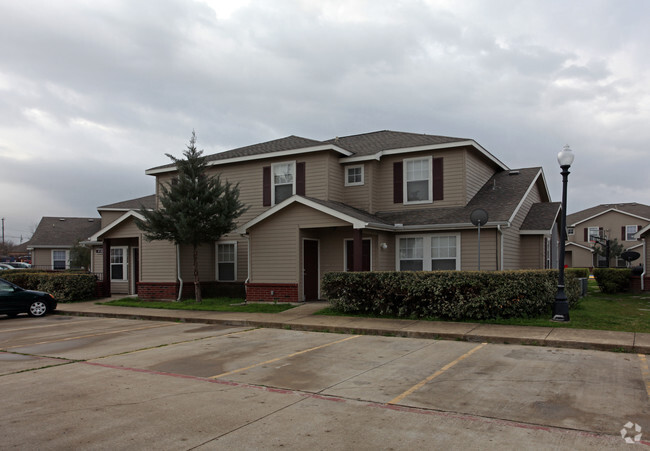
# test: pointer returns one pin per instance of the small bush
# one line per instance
(612, 280)
(64, 286)
(451, 295)
(577, 272)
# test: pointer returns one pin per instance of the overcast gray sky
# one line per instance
(93, 93)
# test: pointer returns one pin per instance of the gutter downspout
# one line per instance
(248, 276)
(178, 271)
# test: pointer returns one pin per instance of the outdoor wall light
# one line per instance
(384, 245)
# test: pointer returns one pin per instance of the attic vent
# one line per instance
(513, 173)
(61, 219)
(91, 220)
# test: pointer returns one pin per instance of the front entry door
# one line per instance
(310, 269)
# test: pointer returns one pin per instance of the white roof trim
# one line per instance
(469, 142)
(607, 211)
(262, 156)
(523, 198)
(642, 232)
(536, 232)
(356, 223)
(115, 223)
(570, 243)
(634, 247)
(50, 246)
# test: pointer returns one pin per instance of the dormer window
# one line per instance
(354, 175)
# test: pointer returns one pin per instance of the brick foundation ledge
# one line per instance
(157, 290)
(272, 292)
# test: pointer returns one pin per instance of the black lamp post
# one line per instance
(561, 305)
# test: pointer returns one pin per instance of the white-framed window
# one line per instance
(227, 261)
(443, 252)
(283, 180)
(630, 231)
(119, 263)
(418, 188)
(354, 175)
(432, 252)
(570, 231)
(592, 232)
(60, 259)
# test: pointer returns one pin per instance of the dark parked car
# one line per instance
(15, 300)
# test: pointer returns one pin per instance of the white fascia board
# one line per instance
(470, 142)
(523, 198)
(443, 227)
(357, 224)
(634, 247)
(642, 232)
(570, 243)
(263, 156)
(608, 211)
(535, 232)
(50, 246)
(118, 221)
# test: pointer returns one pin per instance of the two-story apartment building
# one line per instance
(379, 201)
(607, 221)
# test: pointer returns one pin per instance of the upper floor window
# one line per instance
(592, 233)
(417, 180)
(630, 231)
(354, 175)
(570, 230)
(284, 181)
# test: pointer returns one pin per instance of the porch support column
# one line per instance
(106, 249)
(357, 250)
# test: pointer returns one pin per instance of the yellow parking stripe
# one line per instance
(645, 372)
(283, 357)
(421, 384)
(89, 335)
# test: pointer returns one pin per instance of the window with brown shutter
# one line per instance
(437, 179)
(266, 186)
(398, 182)
(300, 178)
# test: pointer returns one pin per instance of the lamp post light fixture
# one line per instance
(561, 305)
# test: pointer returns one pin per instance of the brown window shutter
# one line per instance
(300, 178)
(623, 233)
(266, 186)
(586, 235)
(600, 232)
(398, 183)
(437, 179)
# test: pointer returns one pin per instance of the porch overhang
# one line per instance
(131, 214)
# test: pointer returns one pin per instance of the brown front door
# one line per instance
(365, 258)
(310, 270)
(136, 269)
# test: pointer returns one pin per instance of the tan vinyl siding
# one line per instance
(478, 171)
(453, 187)
(158, 261)
(206, 263)
(511, 237)
(469, 250)
(275, 243)
(332, 253)
(532, 252)
(127, 229)
(97, 259)
(580, 258)
(384, 259)
(42, 258)
(108, 217)
(335, 179)
(359, 196)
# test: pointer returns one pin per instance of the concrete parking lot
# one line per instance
(98, 383)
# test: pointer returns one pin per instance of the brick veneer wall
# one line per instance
(157, 290)
(635, 284)
(272, 292)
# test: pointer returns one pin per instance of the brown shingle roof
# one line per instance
(148, 202)
(631, 208)
(500, 197)
(541, 216)
(57, 231)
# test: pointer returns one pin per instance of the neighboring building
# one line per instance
(609, 221)
(378, 201)
(55, 236)
(644, 236)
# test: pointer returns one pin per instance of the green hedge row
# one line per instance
(64, 286)
(611, 280)
(453, 295)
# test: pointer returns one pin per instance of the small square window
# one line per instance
(354, 175)
(570, 230)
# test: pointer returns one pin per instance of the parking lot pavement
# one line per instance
(119, 384)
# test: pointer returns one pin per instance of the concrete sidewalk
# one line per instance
(303, 318)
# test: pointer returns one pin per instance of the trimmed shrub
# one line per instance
(611, 280)
(453, 295)
(577, 272)
(64, 286)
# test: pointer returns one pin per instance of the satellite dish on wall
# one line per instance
(630, 256)
(479, 217)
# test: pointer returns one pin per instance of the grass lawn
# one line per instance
(619, 312)
(211, 304)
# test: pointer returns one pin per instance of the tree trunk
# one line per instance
(197, 282)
